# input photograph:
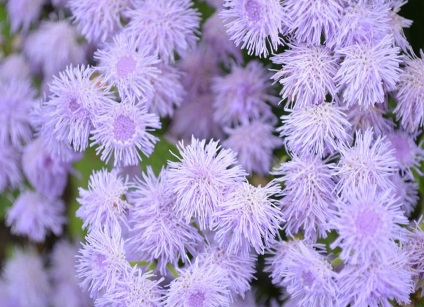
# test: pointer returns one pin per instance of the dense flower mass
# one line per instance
(211, 153)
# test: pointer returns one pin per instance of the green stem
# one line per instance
(172, 270)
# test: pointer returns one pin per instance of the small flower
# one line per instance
(104, 203)
(14, 66)
(408, 155)
(253, 143)
(368, 72)
(243, 95)
(199, 285)
(310, 20)
(307, 74)
(377, 284)
(71, 106)
(131, 69)
(34, 215)
(156, 232)
(248, 214)
(254, 23)
(410, 110)
(318, 129)
(16, 101)
(167, 26)
(240, 268)
(25, 271)
(101, 262)
(121, 129)
(368, 221)
(308, 195)
(397, 24)
(133, 290)
(415, 249)
(23, 13)
(307, 275)
(406, 193)
(200, 179)
(99, 20)
(371, 117)
(371, 161)
(47, 174)
(53, 37)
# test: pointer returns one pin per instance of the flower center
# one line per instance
(123, 128)
(308, 279)
(367, 223)
(73, 105)
(196, 299)
(253, 11)
(126, 65)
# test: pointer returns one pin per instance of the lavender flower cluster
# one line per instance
(319, 201)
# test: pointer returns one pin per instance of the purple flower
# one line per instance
(168, 91)
(104, 204)
(167, 26)
(310, 20)
(128, 67)
(369, 70)
(99, 20)
(53, 37)
(34, 215)
(406, 193)
(243, 95)
(307, 74)
(47, 174)
(248, 214)
(10, 172)
(397, 24)
(23, 13)
(377, 284)
(240, 268)
(25, 271)
(199, 285)
(133, 290)
(70, 108)
(368, 221)
(156, 232)
(306, 274)
(308, 195)
(410, 110)
(16, 101)
(122, 129)
(408, 155)
(371, 161)
(101, 262)
(371, 117)
(14, 66)
(316, 129)
(201, 177)
(254, 23)
(253, 143)
(415, 250)
(361, 21)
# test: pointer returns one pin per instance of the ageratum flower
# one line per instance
(371, 117)
(371, 161)
(10, 172)
(104, 204)
(410, 109)
(98, 20)
(71, 106)
(406, 193)
(201, 177)
(157, 233)
(256, 25)
(16, 101)
(368, 221)
(253, 143)
(121, 130)
(248, 214)
(369, 70)
(131, 69)
(397, 24)
(307, 74)
(23, 13)
(310, 20)
(308, 195)
(167, 26)
(14, 66)
(316, 129)
(243, 95)
(199, 285)
(34, 215)
(101, 262)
